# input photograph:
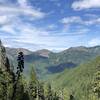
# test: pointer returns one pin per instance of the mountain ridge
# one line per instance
(46, 62)
(73, 48)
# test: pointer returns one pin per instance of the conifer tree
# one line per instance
(96, 84)
(17, 85)
(41, 91)
(55, 96)
(33, 85)
(49, 92)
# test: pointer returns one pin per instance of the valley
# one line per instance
(68, 75)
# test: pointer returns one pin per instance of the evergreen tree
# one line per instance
(18, 88)
(5, 85)
(49, 92)
(40, 91)
(33, 85)
(55, 96)
(96, 84)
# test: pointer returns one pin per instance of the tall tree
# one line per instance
(40, 91)
(49, 92)
(17, 78)
(33, 85)
(96, 84)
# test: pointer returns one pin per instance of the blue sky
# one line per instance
(49, 24)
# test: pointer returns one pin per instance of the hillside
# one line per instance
(79, 79)
(4, 62)
(47, 62)
(73, 81)
(6, 75)
(78, 55)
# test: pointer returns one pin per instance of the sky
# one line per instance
(49, 24)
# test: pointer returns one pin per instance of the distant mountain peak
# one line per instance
(16, 50)
(43, 52)
(78, 48)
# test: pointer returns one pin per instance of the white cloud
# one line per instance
(22, 34)
(23, 3)
(3, 20)
(21, 7)
(8, 28)
(85, 4)
(73, 19)
(94, 42)
(7, 10)
(51, 26)
(79, 20)
(34, 38)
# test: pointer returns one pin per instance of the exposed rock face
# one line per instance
(4, 62)
(43, 52)
(6, 76)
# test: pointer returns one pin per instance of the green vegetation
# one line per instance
(46, 62)
(81, 81)
(77, 83)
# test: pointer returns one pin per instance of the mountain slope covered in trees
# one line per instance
(78, 83)
(46, 62)
(80, 80)
(14, 86)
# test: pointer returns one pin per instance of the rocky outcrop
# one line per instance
(4, 62)
(6, 76)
